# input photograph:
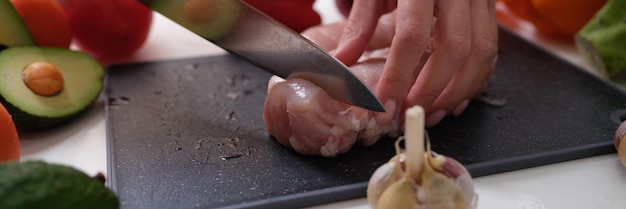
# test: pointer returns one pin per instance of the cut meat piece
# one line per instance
(301, 115)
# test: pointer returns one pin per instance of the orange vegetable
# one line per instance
(9, 141)
(525, 10)
(555, 17)
(569, 16)
(46, 21)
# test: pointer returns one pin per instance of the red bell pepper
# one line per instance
(295, 14)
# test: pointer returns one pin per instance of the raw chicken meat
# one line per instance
(301, 115)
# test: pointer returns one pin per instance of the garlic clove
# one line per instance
(382, 178)
(386, 175)
(399, 195)
(439, 190)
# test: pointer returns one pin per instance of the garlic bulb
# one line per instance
(419, 178)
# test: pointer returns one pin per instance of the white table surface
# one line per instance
(594, 182)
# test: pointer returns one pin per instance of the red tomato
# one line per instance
(109, 29)
(46, 22)
(295, 14)
(9, 140)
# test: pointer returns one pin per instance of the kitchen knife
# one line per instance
(248, 33)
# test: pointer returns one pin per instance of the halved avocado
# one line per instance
(39, 184)
(13, 32)
(29, 104)
(210, 19)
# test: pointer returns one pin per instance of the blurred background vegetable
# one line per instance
(46, 21)
(295, 14)
(603, 40)
(555, 18)
(108, 29)
(9, 140)
(14, 31)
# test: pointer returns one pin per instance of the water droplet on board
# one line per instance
(116, 101)
(233, 95)
(191, 66)
(125, 100)
(230, 115)
(230, 156)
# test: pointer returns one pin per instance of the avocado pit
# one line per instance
(43, 78)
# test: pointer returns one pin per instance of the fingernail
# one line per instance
(390, 111)
(494, 62)
(433, 118)
(460, 108)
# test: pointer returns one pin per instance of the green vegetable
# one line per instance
(37, 184)
(211, 20)
(29, 102)
(13, 32)
(603, 39)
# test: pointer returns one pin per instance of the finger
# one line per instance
(475, 70)
(325, 36)
(413, 29)
(385, 31)
(452, 46)
(359, 29)
(490, 50)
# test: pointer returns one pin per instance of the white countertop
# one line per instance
(595, 182)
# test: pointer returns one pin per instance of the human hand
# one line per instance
(463, 37)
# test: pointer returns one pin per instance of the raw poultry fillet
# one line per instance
(304, 117)
(301, 115)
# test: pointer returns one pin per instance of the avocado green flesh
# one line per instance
(228, 12)
(13, 32)
(83, 82)
(36, 184)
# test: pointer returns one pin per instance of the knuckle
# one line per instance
(424, 97)
(397, 81)
(352, 31)
(458, 46)
(486, 49)
(413, 33)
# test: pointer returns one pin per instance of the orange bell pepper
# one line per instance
(555, 17)
(569, 16)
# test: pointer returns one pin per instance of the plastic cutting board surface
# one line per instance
(189, 133)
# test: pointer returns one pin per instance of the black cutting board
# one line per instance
(189, 133)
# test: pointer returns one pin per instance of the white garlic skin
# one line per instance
(458, 174)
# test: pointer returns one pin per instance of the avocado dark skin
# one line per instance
(24, 121)
(37, 184)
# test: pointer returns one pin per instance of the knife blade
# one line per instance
(244, 31)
